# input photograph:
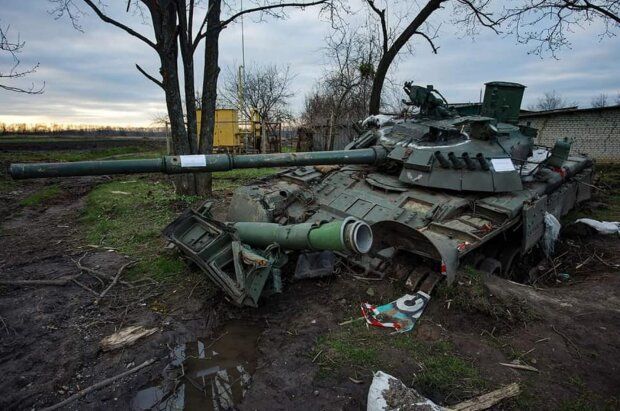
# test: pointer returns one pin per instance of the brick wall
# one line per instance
(594, 131)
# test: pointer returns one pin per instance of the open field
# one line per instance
(298, 355)
(44, 143)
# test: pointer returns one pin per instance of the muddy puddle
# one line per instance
(205, 374)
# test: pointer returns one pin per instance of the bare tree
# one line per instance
(545, 23)
(265, 89)
(341, 96)
(551, 100)
(13, 48)
(174, 33)
(210, 29)
(618, 99)
(164, 18)
(599, 101)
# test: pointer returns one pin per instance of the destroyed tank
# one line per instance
(422, 193)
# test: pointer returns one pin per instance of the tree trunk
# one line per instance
(165, 27)
(187, 55)
(209, 90)
(389, 56)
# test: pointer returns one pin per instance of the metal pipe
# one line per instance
(456, 162)
(350, 235)
(442, 160)
(197, 163)
(483, 162)
(471, 165)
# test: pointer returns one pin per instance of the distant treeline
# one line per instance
(79, 130)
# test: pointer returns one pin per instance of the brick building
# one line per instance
(595, 131)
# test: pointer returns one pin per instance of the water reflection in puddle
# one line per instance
(212, 375)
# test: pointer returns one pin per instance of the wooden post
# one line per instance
(263, 139)
(330, 136)
(168, 140)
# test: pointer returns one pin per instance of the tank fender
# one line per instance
(390, 233)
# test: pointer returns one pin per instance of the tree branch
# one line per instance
(602, 11)
(199, 35)
(482, 17)
(190, 19)
(110, 20)
(430, 41)
(148, 76)
(400, 41)
(384, 30)
(270, 7)
(232, 18)
(31, 90)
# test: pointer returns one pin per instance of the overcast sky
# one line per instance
(90, 76)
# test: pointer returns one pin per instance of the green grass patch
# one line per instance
(76, 155)
(608, 211)
(288, 149)
(608, 193)
(129, 216)
(609, 174)
(6, 184)
(41, 196)
(229, 180)
(430, 367)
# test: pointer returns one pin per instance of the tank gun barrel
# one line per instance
(197, 163)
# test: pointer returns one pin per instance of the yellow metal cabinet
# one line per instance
(226, 135)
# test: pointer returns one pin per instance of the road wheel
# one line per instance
(490, 266)
(508, 258)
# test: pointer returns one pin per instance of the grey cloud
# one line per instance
(90, 76)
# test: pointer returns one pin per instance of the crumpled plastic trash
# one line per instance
(603, 227)
(552, 232)
(388, 393)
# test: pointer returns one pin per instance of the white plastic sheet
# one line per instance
(552, 232)
(603, 227)
(407, 398)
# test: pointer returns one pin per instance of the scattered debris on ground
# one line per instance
(125, 337)
(601, 227)
(387, 393)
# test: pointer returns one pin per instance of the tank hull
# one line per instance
(444, 229)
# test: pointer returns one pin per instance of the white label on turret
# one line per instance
(502, 164)
(197, 160)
